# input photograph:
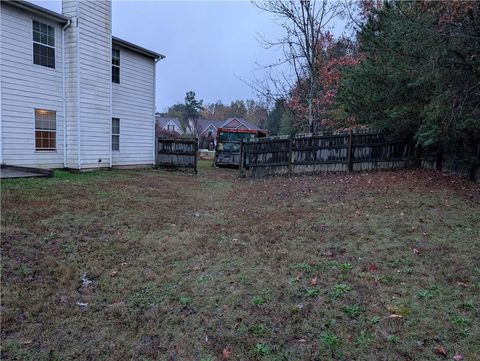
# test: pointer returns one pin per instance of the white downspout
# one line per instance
(67, 25)
(111, 90)
(154, 161)
(1, 118)
(78, 89)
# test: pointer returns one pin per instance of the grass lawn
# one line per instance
(380, 266)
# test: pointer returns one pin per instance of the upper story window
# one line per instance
(171, 127)
(43, 44)
(116, 66)
(45, 129)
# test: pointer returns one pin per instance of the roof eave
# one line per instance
(24, 5)
(136, 48)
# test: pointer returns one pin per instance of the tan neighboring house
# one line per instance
(207, 129)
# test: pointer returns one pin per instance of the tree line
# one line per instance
(275, 120)
(411, 68)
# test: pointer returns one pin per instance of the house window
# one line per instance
(116, 66)
(171, 127)
(45, 130)
(43, 44)
(115, 134)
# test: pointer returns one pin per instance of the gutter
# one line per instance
(28, 6)
(137, 48)
(65, 27)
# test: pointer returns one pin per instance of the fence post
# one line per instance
(439, 159)
(156, 151)
(195, 147)
(290, 155)
(349, 151)
(241, 158)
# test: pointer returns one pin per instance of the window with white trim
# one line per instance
(45, 130)
(116, 66)
(115, 134)
(171, 127)
(43, 44)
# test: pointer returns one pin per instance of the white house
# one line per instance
(72, 95)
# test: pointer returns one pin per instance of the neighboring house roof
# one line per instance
(204, 124)
(163, 122)
(239, 123)
(54, 16)
(235, 123)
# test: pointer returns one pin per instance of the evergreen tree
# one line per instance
(286, 124)
(274, 118)
(420, 74)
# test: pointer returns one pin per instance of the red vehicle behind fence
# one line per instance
(227, 150)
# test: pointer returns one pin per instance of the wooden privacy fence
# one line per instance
(177, 153)
(338, 151)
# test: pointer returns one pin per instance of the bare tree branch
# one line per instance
(303, 22)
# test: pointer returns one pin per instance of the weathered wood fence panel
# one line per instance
(265, 156)
(177, 153)
(338, 152)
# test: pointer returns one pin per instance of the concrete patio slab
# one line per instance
(10, 172)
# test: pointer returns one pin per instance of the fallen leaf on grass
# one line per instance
(399, 310)
(302, 340)
(113, 273)
(461, 284)
(373, 268)
(25, 342)
(313, 281)
(117, 304)
(226, 353)
(328, 254)
(298, 278)
(416, 251)
(440, 350)
(394, 316)
(458, 357)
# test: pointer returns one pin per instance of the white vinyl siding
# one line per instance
(133, 103)
(71, 86)
(26, 87)
(94, 72)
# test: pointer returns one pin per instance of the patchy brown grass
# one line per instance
(184, 267)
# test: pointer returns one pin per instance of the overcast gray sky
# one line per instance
(208, 44)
